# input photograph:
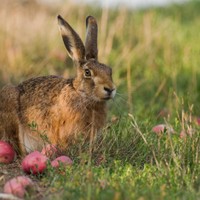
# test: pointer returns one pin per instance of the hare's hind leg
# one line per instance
(9, 121)
(9, 129)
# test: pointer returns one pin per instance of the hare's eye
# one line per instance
(87, 73)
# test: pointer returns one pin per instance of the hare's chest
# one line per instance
(81, 123)
(73, 123)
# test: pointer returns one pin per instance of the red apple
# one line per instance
(34, 163)
(61, 160)
(50, 150)
(183, 134)
(7, 153)
(17, 186)
(159, 128)
(198, 120)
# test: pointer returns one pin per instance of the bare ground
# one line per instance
(8, 171)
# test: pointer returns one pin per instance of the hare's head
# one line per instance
(94, 80)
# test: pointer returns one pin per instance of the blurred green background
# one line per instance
(154, 53)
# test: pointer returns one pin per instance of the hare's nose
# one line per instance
(109, 90)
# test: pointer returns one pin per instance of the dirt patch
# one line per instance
(9, 171)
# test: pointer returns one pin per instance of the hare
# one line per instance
(61, 108)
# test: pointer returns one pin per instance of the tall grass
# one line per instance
(155, 58)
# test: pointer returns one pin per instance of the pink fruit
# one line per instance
(183, 135)
(198, 120)
(158, 128)
(17, 186)
(34, 163)
(161, 128)
(7, 153)
(61, 159)
(49, 150)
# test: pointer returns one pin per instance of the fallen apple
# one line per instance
(34, 163)
(198, 120)
(7, 153)
(183, 134)
(61, 160)
(18, 186)
(50, 150)
(163, 128)
(159, 128)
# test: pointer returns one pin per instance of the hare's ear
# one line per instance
(72, 41)
(91, 38)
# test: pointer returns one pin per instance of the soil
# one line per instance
(9, 171)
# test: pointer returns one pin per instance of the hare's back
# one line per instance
(42, 91)
(8, 98)
(9, 107)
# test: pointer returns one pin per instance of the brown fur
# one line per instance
(61, 108)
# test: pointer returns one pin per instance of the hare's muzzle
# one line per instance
(110, 93)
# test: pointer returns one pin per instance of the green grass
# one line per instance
(155, 56)
(132, 163)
